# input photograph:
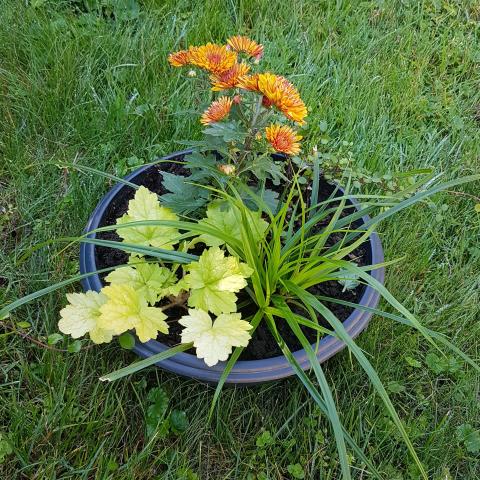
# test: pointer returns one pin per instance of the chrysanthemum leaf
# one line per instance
(228, 131)
(185, 196)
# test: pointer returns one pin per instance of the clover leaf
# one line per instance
(296, 471)
(178, 421)
(469, 437)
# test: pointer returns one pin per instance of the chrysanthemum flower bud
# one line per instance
(227, 169)
(237, 99)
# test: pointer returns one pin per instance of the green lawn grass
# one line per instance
(398, 79)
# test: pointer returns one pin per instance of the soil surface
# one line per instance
(262, 345)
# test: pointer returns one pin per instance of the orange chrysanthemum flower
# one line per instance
(249, 82)
(278, 91)
(230, 78)
(246, 45)
(217, 59)
(217, 111)
(179, 59)
(283, 139)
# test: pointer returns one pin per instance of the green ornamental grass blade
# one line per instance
(308, 298)
(147, 362)
(231, 362)
(404, 321)
(332, 413)
(317, 397)
(85, 168)
(45, 291)
(419, 196)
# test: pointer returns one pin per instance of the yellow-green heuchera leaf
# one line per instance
(213, 341)
(213, 281)
(81, 316)
(150, 280)
(228, 219)
(145, 206)
(127, 309)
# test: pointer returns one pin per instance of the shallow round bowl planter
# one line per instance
(246, 371)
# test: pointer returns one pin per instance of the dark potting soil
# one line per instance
(262, 345)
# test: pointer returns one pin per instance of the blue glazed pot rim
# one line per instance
(244, 371)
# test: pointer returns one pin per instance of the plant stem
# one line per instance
(257, 111)
(39, 343)
(178, 302)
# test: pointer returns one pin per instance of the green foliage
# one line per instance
(75, 346)
(54, 338)
(341, 168)
(227, 131)
(143, 207)
(226, 218)
(128, 309)
(348, 279)
(395, 387)
(158, 420)
(265, 439)
(156, 411)
(214, 341)
(208, 284)
(178, 421)
(412, 362)
(126, 340)
(82, 316)
(282, 264)
(123, 9)
(265, 167)
(185, 196)
(124, 165)
(296, 471)
(5, 448)
(268, 445)
(443, 363)
(470, 437)
(268, 196)
(187, 474)
(23, 325)
(117, 10)
(150, 280)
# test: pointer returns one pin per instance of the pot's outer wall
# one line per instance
(244, 372)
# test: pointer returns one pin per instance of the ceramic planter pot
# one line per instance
(247, 371)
